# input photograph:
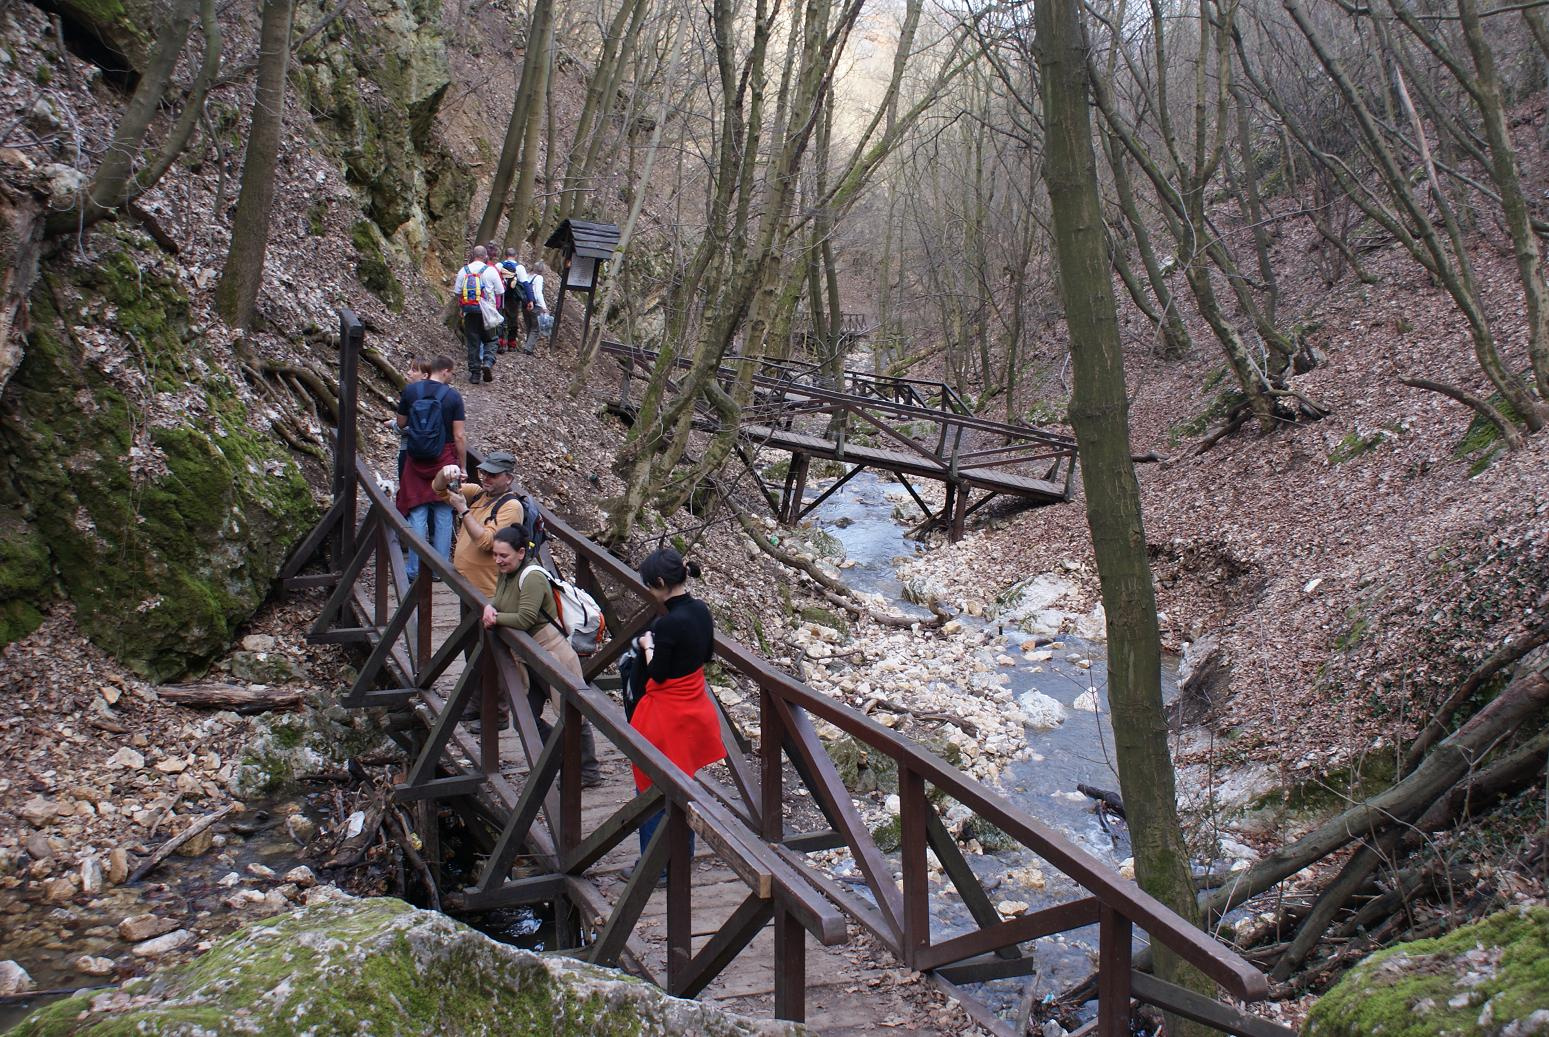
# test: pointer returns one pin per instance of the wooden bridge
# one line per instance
(755, 921)
(928, 432)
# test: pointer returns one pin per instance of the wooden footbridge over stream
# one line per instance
(912, 428)
(753, 921)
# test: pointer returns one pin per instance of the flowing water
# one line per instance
(1078, 751)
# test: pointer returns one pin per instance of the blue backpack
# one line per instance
(424, 437)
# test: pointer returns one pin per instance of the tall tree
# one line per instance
(1099, 412)
(237, 294)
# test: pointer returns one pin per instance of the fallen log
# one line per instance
(236, 697)
(1401, 804)
(1108, 798)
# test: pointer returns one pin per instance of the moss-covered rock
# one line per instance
(376, 99)
(164, 536)
(1488, 978)
(384, 968)
(372, 267)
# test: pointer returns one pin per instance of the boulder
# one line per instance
(1488, 978)
(1042, 712)
(379, 966)
(13, 979)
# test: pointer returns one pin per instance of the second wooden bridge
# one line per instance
(912, 428)
(756, 921)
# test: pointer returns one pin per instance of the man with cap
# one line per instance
(481, 512)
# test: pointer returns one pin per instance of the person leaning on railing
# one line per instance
(675, 714)
(524, 600)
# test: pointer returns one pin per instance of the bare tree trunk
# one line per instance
(237, 294)
(1099, 414)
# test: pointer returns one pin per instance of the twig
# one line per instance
(166, 849)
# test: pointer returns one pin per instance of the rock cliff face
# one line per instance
(382, 967)
(375, 86)
(132, 477)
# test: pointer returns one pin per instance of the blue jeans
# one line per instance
(432, 522)
(648, 828)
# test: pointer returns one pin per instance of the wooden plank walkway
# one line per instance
(850, 991)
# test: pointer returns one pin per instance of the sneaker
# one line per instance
(489, 373)
(529, 352)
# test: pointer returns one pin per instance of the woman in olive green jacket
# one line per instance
(524, 600)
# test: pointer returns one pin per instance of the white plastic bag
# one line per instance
(492, 316)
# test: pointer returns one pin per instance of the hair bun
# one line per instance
(693, 569)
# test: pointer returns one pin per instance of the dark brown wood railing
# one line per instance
(747, 824)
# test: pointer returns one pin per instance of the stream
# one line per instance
(1078, 751)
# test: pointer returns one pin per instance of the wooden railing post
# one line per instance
(771, 784)
(680, 892)
(790, 967)
(489, 705)
(1113, 965)
(912, 807)
(384, 575)
(424, 617)
(351, 334)
(570, 779)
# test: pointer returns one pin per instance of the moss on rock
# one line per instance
(165, 538)
(381, 967)
(372, 267)
(1491, 977)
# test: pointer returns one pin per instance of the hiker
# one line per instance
(537, 310)
(524, 600)
(477, 284)
(515, 276)
(432, 416)
(675, 714)
(419, 370)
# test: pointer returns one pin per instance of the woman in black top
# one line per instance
(676, 714)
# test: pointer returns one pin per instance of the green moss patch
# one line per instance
(1482, 443)
(1491, 977)
(372, 267)
(165, 537)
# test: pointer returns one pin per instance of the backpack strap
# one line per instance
(553, 619)
(500, 502)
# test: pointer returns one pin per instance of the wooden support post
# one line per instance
(799, 464)
(489, 705)
(790, 967)
(959, 515)
(570, 781)
(912, 807)
(427, 819)
(567, 924)
(771, 739)
(1113, 973)
(384, 576)
(425, 619)
(351, 334)
(680, 892)
(948, 508)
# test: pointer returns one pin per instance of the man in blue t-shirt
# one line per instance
(430, 513)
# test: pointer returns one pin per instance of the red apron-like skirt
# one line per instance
(678, 718)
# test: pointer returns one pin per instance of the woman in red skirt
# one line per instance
(676, 714)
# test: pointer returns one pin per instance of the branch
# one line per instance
(1481, 406)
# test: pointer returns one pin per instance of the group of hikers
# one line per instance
(485, 528)
(492, 298)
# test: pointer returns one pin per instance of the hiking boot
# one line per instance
(474, 379)
(489, 373)
(592, 780)
(529, 352)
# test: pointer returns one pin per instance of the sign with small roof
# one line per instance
(584, 247)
